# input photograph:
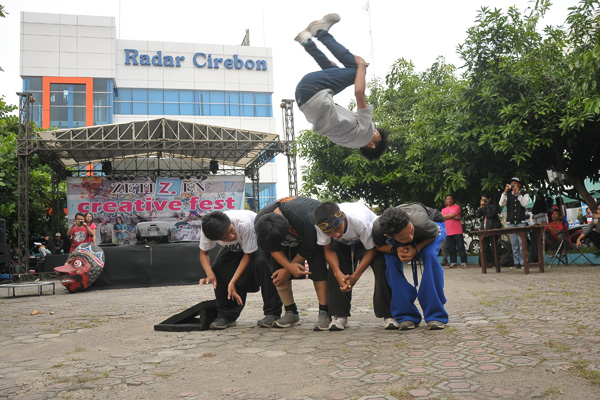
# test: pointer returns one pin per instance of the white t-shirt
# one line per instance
(339, 124)
(360, 224)
(243, 222)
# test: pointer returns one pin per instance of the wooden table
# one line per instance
(522, 232)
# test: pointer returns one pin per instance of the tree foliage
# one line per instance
(39, 181)
(528, 100)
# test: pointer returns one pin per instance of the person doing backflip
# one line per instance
(314, 93)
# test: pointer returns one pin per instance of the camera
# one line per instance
(80, 223)
(485, 201)
(512, 186)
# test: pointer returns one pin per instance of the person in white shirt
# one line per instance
(314, 93)
(344, 231)
(239, 268)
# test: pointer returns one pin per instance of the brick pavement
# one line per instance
(510, 336)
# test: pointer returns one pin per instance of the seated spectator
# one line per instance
(591, 231)
(557, 231)
(587, 218)
(56, 245)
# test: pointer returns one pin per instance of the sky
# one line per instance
(382, 32)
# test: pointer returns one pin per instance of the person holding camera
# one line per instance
(80, 232)
(515, 203)
(488, 215)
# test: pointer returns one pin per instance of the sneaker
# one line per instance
(464, 265)
(453, 265)
(519, 266)
(222, 323)
(290, 318)
(303, 36)
(267, 321)
(444, 262)
(338, 323)
(390, 324)
(323, 321)
(435, 325)
(323, 24)
(406, 325)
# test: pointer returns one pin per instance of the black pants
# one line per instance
(339, 302)
(257, 276)
(317, 264)
(453, 242)
(594, 238)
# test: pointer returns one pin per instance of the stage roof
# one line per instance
(158, 144)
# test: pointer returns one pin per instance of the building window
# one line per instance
(103, 101)
(267, 193)
(34, 85)
(67, 105)
(192, 102)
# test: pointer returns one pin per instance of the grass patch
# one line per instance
(208, 355)
(557, 346)
(400, 345)
(400, 394)
(502, 329)
(582, 370)
(163, 375)
(59, 365)
(553, 390)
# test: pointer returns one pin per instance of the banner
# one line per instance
(118, 206)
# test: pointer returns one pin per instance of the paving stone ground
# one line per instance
(510, 336)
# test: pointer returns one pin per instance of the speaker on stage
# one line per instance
(157, 231)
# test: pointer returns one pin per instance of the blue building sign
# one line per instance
(200, 60)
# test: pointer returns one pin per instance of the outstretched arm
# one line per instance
(360, 83)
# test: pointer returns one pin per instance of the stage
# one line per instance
(136, 265)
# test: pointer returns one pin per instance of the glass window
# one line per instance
(102, 85)
(78, 99)
(186, 96)
(171, 96)
(171, 109)
(32, 84)
(124, 95)
(140, 107)
(103, 115)
(156, 109)
(155, 95)
(124, 108)
(140, 95)
(261, 98)
(186, 109)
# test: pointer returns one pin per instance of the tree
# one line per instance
(39, 181)
(528, 101)
(533, 97)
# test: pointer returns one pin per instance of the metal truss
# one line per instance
(287, 109)
(23, 152)
(156, 147)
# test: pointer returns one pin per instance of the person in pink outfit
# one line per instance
(454, 232)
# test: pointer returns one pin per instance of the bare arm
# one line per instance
(232, 293)
(360, 83)
(334, 264)
(210, 275)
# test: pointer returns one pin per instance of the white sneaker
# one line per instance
(303, 36)
(390, 324)
(338, 323)
(323, 24)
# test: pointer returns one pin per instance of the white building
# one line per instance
(82, 75)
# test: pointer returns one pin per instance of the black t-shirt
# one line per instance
(299, 213)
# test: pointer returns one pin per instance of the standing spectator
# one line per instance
(540, 217)
(454, 232)
(592, 232)
(89, 220)
(120, 229)
(587, 218)
(488, 215)
(79, 232)
(515, 203)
